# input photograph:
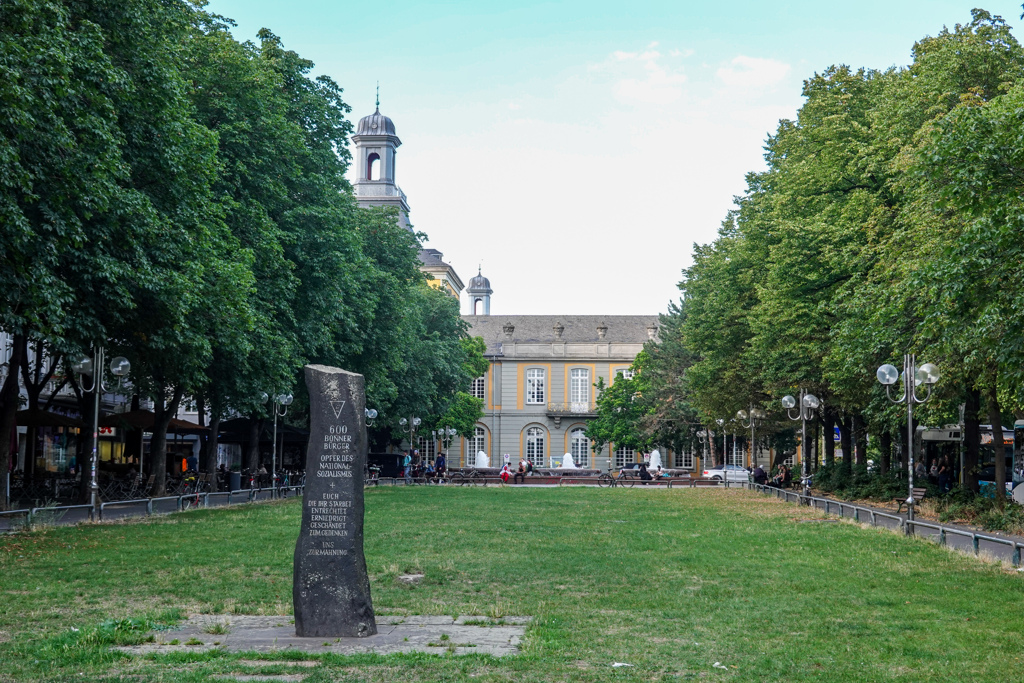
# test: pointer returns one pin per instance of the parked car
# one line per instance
(727, 473)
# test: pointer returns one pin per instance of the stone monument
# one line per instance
(331, 589)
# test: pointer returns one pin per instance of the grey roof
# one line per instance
(576, 328)
(478, 281)
(431, 257)
(375, 124)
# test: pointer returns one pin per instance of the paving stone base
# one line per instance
(435, 635)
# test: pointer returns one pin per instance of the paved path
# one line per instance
(431, 634)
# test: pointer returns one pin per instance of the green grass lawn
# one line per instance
(668, 581)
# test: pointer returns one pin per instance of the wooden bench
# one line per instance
(916, 493)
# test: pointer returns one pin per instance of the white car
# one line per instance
(727, 473)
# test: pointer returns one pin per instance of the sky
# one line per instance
(577, 151)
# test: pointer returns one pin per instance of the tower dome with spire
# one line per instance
(376, 146)
(479, 291)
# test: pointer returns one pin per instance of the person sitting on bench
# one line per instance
(524, 467)
(760, 477)
(644, 474)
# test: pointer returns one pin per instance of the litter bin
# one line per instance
(234, 481)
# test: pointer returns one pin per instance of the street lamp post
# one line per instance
(912, 375)
(82, 366)
(280, 408)
(412, 423)
(703, 436)
(371, 415)
(445, 434)
(754, 416)
(721, 423)
(808, 404)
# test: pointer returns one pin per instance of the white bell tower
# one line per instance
(376, 145)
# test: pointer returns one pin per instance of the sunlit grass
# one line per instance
(670, 582)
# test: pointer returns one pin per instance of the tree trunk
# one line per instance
(34, 379)
(885, 445)
(846, 441)
(829, 421)
(8, 407)
(860, 439)
(163, 413)
(972, 438)
(209, 462)
(87, 406)
(995, 416)
(815, 444)
(253, 456)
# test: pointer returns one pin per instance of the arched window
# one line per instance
(624, 456)
(535, 446)
(535, 386)
(579, 447)
(373, 167)
(477, 442)
(579, 390)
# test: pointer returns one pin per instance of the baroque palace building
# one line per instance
(539, 391)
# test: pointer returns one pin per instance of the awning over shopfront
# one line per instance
(44, 418)
(145, 419)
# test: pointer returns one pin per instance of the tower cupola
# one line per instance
(376, 146)
(479, 291)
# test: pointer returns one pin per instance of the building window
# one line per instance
(626, 374)
(736, 454)
(684, 460)
(624, 456)
(535, 386)
(579, 447)
(579, 390)
(475, 443)
(535, 446)
(478, 389)
(426, 445)
(788, 462)
(373, 167)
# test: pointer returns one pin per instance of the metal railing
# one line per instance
(908, 527)
(145, 507)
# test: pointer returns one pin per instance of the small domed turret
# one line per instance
(479, 291)
(375, 124)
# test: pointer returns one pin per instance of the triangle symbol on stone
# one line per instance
(338, 406)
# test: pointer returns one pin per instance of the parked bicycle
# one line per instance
(474, 478)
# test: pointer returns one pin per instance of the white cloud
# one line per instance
(642, 78)
(753, 72)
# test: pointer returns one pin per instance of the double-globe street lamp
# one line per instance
(808, 404)
(912, 376)
(754, 416)
(412, 423)
(445, 434)
(82, 366)
(280, 408)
